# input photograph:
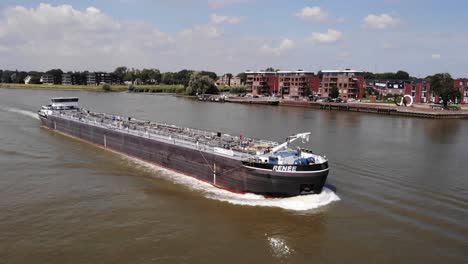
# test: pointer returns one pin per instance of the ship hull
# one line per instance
(220, 171)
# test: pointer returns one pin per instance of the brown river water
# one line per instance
(397, 190)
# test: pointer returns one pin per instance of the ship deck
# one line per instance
(217, 143)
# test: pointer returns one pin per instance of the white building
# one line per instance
(225, 80)
(27, 80)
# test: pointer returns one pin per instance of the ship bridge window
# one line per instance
(273, 160)
(64, 100)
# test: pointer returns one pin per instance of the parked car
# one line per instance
(339, 100)
(324, 99)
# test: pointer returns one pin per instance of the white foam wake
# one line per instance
(297, 203)
(279, 247)
(22, 112)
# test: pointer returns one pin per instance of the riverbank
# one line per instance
(423, 111)
(95, 88)
(117, 88)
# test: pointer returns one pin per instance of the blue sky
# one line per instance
(421, 37)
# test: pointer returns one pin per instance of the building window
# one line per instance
(413, 89)
(413, 94)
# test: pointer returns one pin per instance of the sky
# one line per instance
(422, 37)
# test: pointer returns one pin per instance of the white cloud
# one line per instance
(219, 19)
(53, 31)
(436, 56)
(329, 37)
(388, 45)
(285, 45)
(345, 54)
(313, 13)
(47, 36)
(212, 30)
(203, 31)
(222, 3)
(382, 21)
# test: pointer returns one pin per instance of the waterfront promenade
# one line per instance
(417, 110)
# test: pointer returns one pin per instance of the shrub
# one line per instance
(106, 87)
(238, 90)
(180, 90)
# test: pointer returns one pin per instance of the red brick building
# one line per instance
(293, 83)
(282, 83)
(350, 83)
(420, 90)
(261, 82)
(462, 84)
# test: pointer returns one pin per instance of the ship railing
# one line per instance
(210, 136)
(166, 137)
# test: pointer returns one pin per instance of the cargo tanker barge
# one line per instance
(229, 162)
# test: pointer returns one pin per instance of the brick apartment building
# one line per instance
(261, 82)
(350, 83)
(97, 78)
(282, 83)
(225, 80)
(70, 79)
(48, 79)
(293, 83)
(462, 84)
(420, 90)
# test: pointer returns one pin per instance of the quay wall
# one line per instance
(379, 109)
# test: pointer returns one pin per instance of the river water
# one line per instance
(397, 190)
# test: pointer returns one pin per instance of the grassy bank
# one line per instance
(162, 88)
(114, 88)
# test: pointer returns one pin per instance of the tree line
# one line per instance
(121, 74)
(153, 75)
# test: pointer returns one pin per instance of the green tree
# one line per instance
(212, 75)
(242, 76)
(120, 72)
(14, 77)
(237, 89)
(305, 90)
(106, 87)
(156, 75)
(35, 79)
(57, 73)
(128, 77)
(201, 84)
(168, 78)
(270, 69)
(183, 77)
(334, 92)
(402, 75)
(443, 86)
(6, 76)
(229, 76)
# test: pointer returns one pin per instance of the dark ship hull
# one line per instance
(223, 172)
